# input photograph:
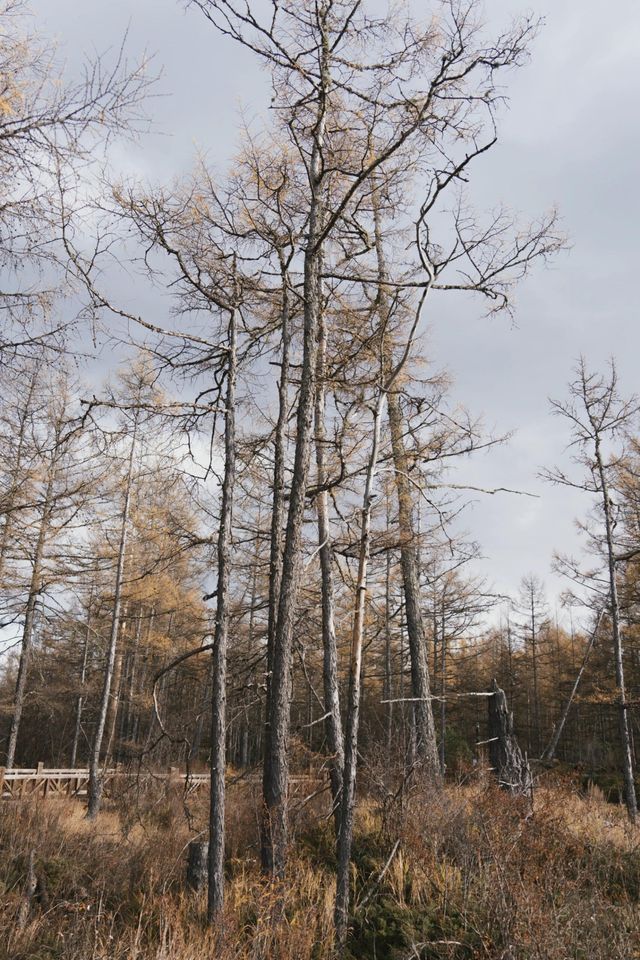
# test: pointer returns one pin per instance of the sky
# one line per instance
(570, 137)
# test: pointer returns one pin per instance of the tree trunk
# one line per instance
(197, 860)
(443, 692)
(95, 779)
(114, 699)
(388, 661)
(277, 510)
(276, 760)
(333, 723)
(83, 680)
(276, 561)
(425, 730)
(534, 658)
(623, 717)
(215, 900)
(345, 837)
(549, 753)
(507, 760)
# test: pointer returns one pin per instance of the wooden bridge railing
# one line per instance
(19, 783)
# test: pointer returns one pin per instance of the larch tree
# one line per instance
(61, 479)
(600, 419)
(354, 92)
(49, 130)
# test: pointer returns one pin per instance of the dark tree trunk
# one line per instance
(276, 760)
(197, 860)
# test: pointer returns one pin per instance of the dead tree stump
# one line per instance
(197, 862)
(510, 765)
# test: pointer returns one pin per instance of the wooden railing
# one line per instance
(20, 783)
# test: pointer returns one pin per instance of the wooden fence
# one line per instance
(21, 783)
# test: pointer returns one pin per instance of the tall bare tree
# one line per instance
(599, 417)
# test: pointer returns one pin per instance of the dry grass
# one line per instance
(473, 876)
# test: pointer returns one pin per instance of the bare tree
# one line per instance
(354, 91)
(53, 502)
(138, 395)
(49, 129)
(599, 417)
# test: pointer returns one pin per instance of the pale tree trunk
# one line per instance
(95, 779)
(534, 659)
(276, 759)
(245, 741)
(550, 751)
(116, 693)
(333, 722)
(623, 707)
(345, 837)
(128, 726)
(388, 660)
(443, 691)
(83, 680)
(215, 900)
(424, 725)
(35, 587)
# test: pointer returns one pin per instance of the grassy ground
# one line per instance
(474, 875)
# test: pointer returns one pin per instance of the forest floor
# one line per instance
(474, 874)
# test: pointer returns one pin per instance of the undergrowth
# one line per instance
(462, 873)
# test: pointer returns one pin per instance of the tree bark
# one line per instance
(623, 717)
(509, 764)
(277, 510)
(443, 690)
(333, 722)
(215, 899)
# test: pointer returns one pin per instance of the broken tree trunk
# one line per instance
(507, 759)
(197, 865)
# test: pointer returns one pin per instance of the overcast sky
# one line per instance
(570, 137)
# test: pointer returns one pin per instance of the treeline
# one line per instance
(245, 549)
(163, 616)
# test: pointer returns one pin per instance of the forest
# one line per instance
(260, 694)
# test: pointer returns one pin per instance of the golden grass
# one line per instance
(473, 876)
